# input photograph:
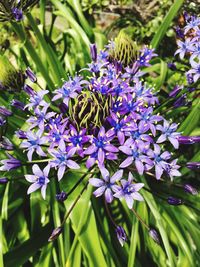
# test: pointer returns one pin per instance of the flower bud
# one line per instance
(17, 13)
(17, 104)
(190, 189)
(62, 196)
(175, 91)
(171, 66)
(21, 134)
(5, 112)
(181, 101)
(188, 140)
(31, 75)
(193, 165)
(93, 52)
(5, 143)
(154, 235)
(56, 232)
(121, 235)
(29, 90)
(174, 201)
(3, 180)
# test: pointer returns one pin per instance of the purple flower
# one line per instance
(145, 56)
(172, 169)
(10, 164)
(69, 90)
(147, 120)
(41, 117)
(159, 160)
(121, 235)
(192, 24)
(5, 112)
(129, 191)
(2, 121)
(168, 132)
(39, 179)
(195, 71)
(107, 184)
(33, 143)
(61, 160)
(57, 133)
(31, 75)
(171, 65)
(17, 13)
(76, 140)
(184, 47)
(101, 145)
(119, 127)
(37, 99)
(134, 155)
(21, 134)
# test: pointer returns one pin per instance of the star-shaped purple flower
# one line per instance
(39, 179)
(107, 184)
(128, 191)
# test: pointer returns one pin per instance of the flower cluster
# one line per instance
(189, 45)
(105, 121)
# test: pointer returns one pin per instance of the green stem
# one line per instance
(34, 56)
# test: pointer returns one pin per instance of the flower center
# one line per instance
(41, 180)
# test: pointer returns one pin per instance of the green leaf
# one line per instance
(19, 255)
(166, 23)
(84, 225)
(192, 120)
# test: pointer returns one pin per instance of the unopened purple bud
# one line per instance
(175, 91)
(31, 75)
(174, 201)
(6, 144)
(193, 165)
(186, 16)
(21, 134)
(29, 90)
(4, 180)
(17, 104)
(62, 196)
(189, 78)
(63, 108)
(190, 189)
(5, 112)
(93, 52)
(180, 101)
(171, 66)
(188, 140)
(154, 235)
(2, 121)
(179, 32)
(191, 89)
(10, 164)
(17, 13)
(121, 235)
(56, 232)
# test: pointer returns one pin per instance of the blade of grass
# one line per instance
(166, 23)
